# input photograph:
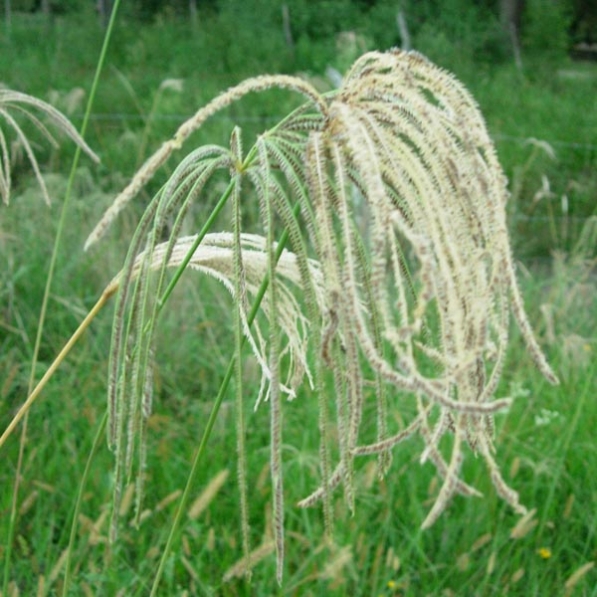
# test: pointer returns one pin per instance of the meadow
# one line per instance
(155, 76)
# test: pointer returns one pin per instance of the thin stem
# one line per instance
(210, 423)
(73, 529)
(563, 448)
(42, 315)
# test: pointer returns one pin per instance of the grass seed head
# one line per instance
(419, 296)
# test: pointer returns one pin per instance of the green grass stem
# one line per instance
(43, 311)
(77, 509)
(198, 458)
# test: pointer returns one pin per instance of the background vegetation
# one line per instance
(165, 60)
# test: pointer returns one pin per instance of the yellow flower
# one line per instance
(392, 584)
(544, 553)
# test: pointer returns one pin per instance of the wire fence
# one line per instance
(180, 118)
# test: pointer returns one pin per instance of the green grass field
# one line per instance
(545, 442)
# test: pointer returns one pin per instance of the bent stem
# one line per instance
(77, 509)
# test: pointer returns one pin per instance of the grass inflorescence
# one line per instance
(367, 282)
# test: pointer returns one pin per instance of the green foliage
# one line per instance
(550, 456)
(546, 437)
(543, 109)
(546, 28)
(330, 17)
(461, 31)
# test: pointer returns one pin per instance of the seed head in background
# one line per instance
(21, 104)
